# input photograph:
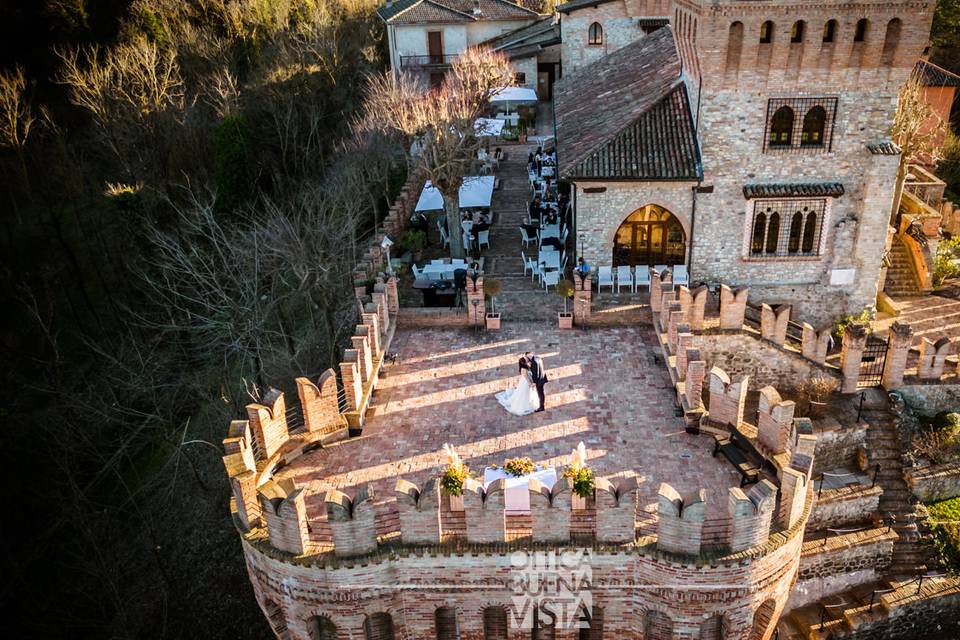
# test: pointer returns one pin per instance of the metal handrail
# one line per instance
(428, 60)
(834, 530)
(873, 483)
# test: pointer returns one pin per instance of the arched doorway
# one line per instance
(651, 235)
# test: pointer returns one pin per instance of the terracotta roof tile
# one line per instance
(445, 11)
(793, 190)
(628, 116)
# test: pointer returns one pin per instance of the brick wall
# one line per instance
(868, 549)
(741, 354)
(845, 506)
(931, 483)
(347, 592)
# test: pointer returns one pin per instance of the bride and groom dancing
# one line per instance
(527, 396)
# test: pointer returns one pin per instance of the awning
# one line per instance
(476, 191)
(488, 126)
(513, 94)
(793, 190)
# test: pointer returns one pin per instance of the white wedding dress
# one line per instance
(522, 399)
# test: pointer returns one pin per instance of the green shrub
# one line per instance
(946, 420)
(413, 240)
(943, 266)
(946, 541)
(866, 317)
(945, 510)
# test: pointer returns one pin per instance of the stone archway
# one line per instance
(649, 236)
(763, 620)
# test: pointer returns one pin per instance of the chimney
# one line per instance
(476, 7)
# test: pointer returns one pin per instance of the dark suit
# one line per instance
(539, 378)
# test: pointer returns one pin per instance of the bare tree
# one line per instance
(16, 115)
(916, 129)
(439, 123)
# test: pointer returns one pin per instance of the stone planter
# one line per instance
(456, 502)
(565, 319)
(493, 321)
(577, 503)
(817, 409)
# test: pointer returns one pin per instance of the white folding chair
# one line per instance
(417, 274)
(625, 278)
(563, 264)
(525, 237)
(642, 276)
(444, 237)
(466, 225)
(484, 239)
(440, 224)
(550, 278)
(680, 275)
(529, 264)
(604, 277)
(564, 235)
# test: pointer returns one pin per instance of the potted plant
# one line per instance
(491, 288)
(580, 477)
(817, 390)
(565, 289)
(414, 240)
(520, 466)
(453, 478)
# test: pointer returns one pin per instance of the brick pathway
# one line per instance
(605, 390)
(931, 316)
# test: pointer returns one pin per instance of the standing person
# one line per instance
(538, 159)
(522, 399)
(583, 269)
(538, 376)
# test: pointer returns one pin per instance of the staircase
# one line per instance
(910, 555)
(900, 282)
(871, 608)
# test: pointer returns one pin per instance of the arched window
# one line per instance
(810, 233)
(796, 228)
(814, 124)
(773, 232)
(591, 625)
(860, 33)
(759, 230)
(494, 623)
(796, 33)
(829, 30)
(766, 32)
(445, 621)
(890, 42)
(595, 34)
(321, 628)
(379, 626)
(781, 127)
(734, 46)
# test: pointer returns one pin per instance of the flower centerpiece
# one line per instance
(580, 476)
(453, 478)
(519, 466)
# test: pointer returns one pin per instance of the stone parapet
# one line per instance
(351, 522)
(680, 523)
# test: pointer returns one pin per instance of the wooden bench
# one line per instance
(741, 453)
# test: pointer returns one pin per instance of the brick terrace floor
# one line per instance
(605, 390)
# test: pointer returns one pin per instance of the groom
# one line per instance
(538, 374)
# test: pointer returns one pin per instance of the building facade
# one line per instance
(787, 113)
(426, 36)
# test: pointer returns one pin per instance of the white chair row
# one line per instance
(625, 276)
(484, 239)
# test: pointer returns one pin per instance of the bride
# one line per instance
(522, 399)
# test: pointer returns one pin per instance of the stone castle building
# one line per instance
(748, 140)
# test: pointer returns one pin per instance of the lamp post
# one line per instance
(386, 243)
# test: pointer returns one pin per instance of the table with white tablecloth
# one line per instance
(517, 493)
(476, 192)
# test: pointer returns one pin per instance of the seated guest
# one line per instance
(535, 208)
(498, 153)
(583, 269)
(551, 216)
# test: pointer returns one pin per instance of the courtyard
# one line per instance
(606, 389)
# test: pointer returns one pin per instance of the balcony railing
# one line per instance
(924, 185)
(428, 61)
